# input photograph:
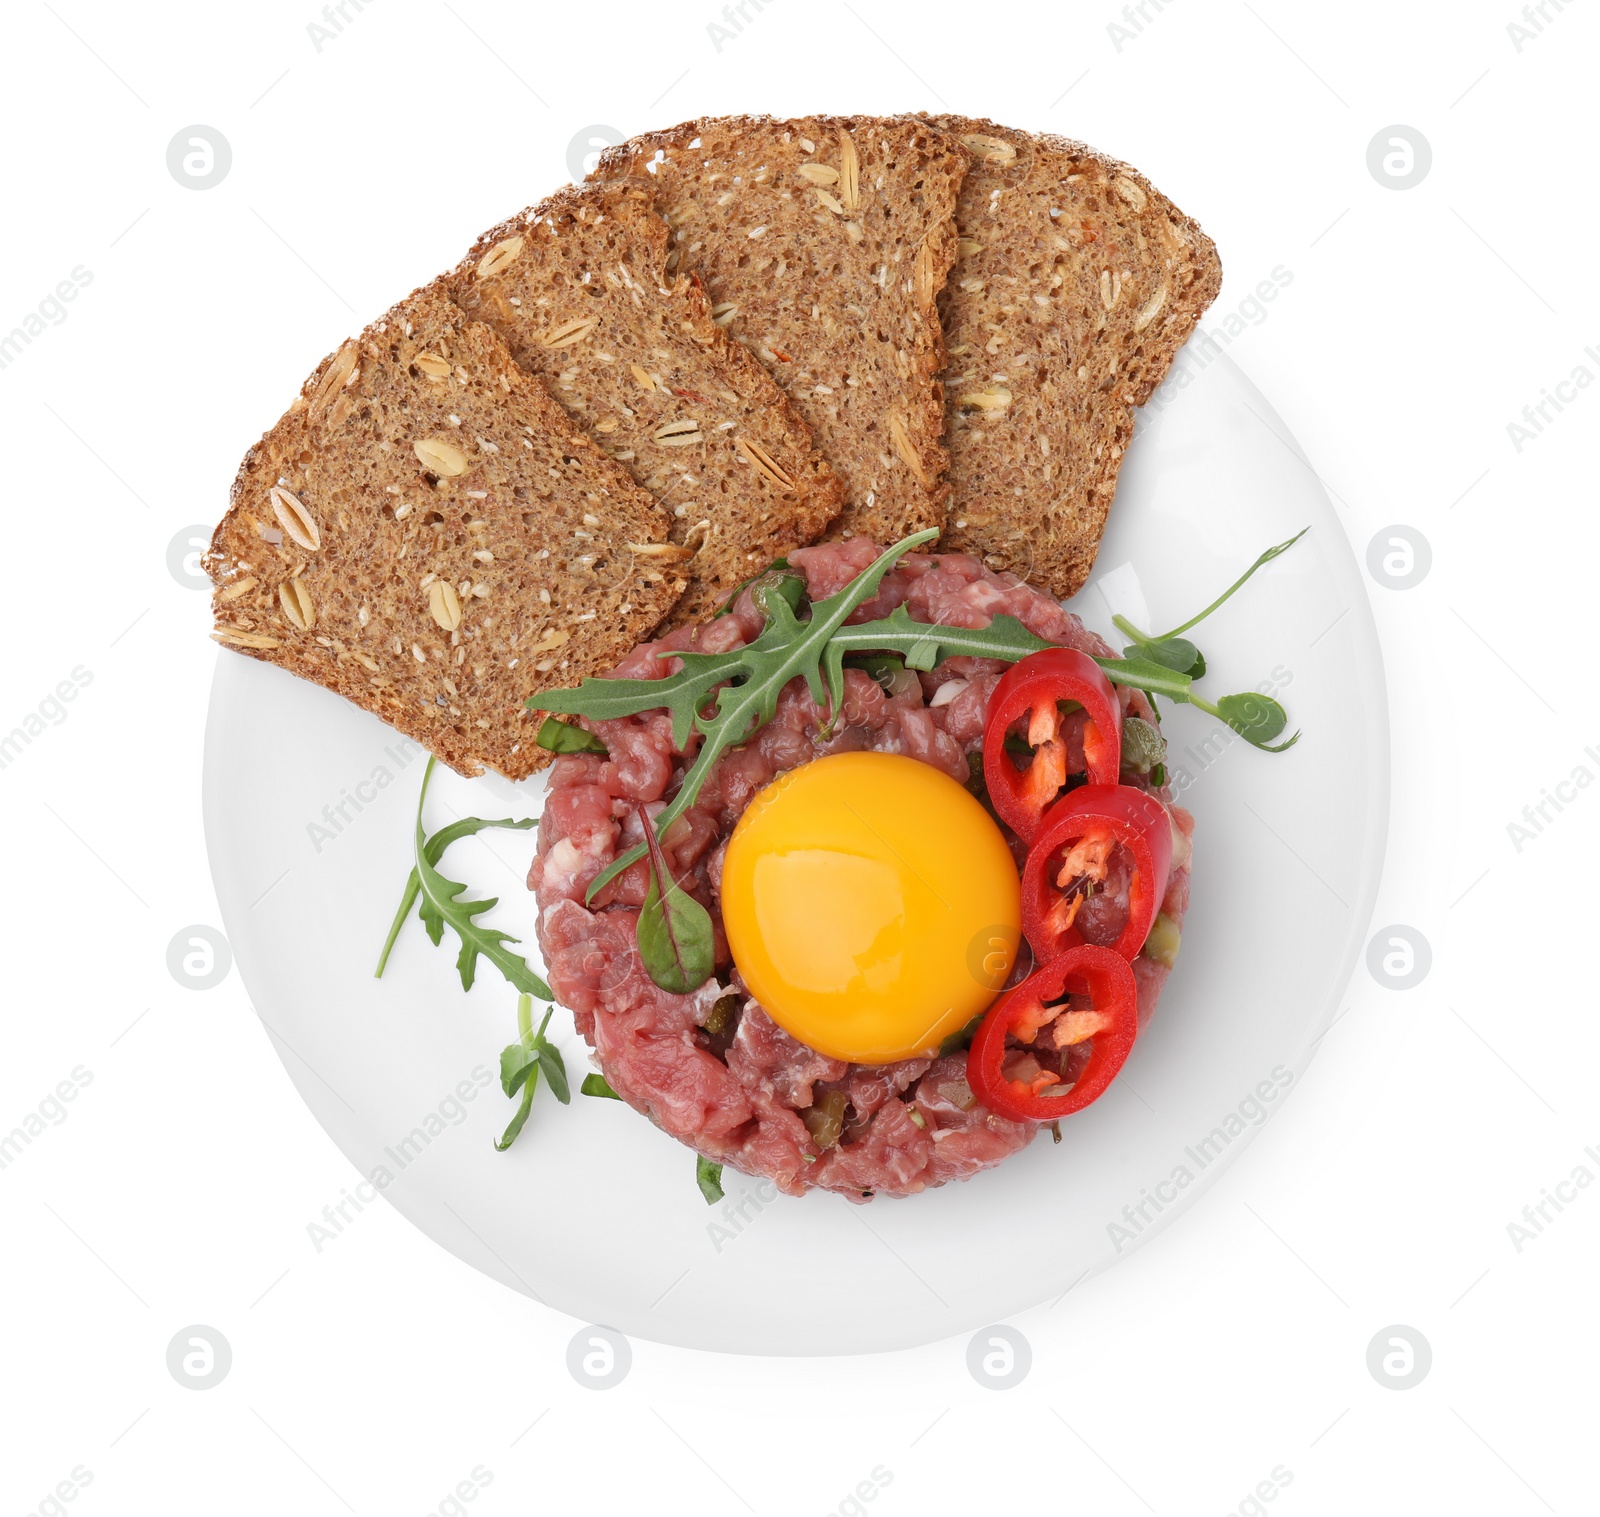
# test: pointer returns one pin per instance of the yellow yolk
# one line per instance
(871, 904)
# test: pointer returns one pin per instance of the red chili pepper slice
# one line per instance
(1074, 846)
(1031, 688)
(1075, 1053)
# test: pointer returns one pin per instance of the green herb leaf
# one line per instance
(676, 942)
(1256, 718)
(595, 1085)
(708, 1177)
(555, 1071)
(566, 737)
(517, 1062)
(1175, 653)
(433, 851)
(442, 907)
(747, 681)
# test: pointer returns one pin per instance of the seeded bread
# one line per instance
(823, 242)
(1076, 285)
(577, 287)
(425, 533)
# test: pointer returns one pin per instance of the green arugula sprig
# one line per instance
(443, 907)
(520, 1066)
(1256, 718)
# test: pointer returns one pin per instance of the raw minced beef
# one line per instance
(712, 1068)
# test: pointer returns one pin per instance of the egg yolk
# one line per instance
(872, 906)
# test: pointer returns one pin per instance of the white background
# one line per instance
(375, 1375)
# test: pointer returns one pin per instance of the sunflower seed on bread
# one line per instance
(425, 533)
(577, 286)
(1076, 285)
(823, 242)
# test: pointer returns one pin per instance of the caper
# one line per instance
(1163, 941)
(824, 1118)
(1143, 746)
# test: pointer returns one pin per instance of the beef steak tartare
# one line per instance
(711, 1067)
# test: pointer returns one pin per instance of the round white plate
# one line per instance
(308, 812)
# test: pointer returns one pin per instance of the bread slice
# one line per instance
(425, 533)
(823, 242)
(578, 288)
(1077, 283)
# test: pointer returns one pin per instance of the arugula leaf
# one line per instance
(595, 1085)
(434, 851)
(747, 681)
(442, 907)
(565, 737)
(1144, 675)
(708, 1177)
(927, 644)
(675, 937)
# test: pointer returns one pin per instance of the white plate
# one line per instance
(594, 1211)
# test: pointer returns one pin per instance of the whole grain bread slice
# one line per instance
(1077, 283)
(578, 288)
(823, 242)
(426, 533)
